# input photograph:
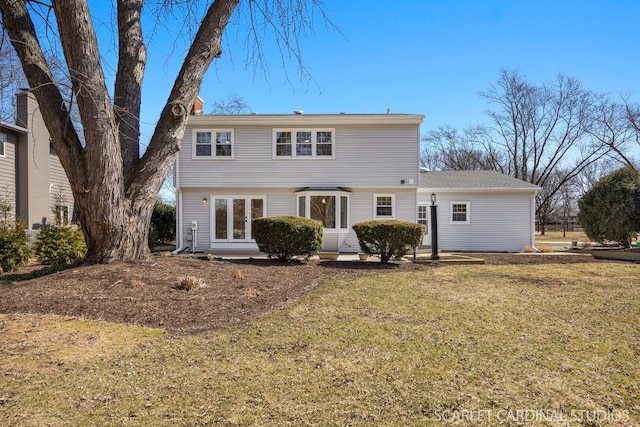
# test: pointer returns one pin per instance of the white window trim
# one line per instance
(468, 205)
(338, 195)
(375, 206)
(314, 138)
(3, 143)
(213, 144)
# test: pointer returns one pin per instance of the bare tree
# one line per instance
(617, 128)
(234, 104)
(113, 185)
(11, 79)
(543, 128)
(448, 149)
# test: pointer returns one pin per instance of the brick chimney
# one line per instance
(198, 105)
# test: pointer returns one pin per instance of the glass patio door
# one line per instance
(232, 217)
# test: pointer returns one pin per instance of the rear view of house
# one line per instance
(32, 180)
(337, 168)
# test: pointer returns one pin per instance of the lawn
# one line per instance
(550, 344)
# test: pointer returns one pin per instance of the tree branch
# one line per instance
(18, 24)
(132, 58)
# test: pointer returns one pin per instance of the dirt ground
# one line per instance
(148, 293)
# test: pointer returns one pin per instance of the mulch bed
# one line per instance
(147, 293)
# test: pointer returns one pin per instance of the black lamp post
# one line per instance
(434, 229)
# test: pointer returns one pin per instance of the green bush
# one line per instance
(14, 246)
(610, 210)
(389, 238)
(163, 224)
(288, 237)
(60, 245)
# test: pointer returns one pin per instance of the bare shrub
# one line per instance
(190, 283)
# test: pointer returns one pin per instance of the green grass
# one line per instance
(474, 344)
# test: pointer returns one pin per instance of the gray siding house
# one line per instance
(338, 168)
(479, 210)
(32, 179)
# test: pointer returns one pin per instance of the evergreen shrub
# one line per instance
(288, 237)
(389, 238)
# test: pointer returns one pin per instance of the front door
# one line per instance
(231, 217)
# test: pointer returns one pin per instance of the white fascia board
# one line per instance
(14, 128)
(479, 190)
(304, 119)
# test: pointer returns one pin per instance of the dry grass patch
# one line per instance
(556, 236)
(384, 349)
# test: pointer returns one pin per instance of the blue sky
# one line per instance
(421, 56)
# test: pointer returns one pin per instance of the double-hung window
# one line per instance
(384, 206)
(460, 213)
(304, 143)
(213, 143)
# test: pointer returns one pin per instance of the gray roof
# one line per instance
(481, 180)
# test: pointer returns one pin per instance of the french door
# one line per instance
(231, 217)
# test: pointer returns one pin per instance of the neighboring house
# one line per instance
(479, 210)
(32, 180)
(338, 168)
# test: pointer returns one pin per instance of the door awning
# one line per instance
(323, 190)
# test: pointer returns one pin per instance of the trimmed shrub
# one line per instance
(163, 224)
(288, 237)
(14, 246)
(389, 238)
(60, 245)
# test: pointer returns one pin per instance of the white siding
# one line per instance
(500, 222)
(362, 210)
(380, 156)
(282, 201)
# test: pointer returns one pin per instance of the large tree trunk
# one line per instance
(114, 189)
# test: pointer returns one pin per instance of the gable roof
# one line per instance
(472, 180)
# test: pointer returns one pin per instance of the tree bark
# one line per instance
(114, 189)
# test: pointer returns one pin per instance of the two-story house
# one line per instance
(32, 180)
(338, 168)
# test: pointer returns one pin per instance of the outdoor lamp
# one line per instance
(433, 198)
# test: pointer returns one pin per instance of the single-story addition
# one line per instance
(478, 210)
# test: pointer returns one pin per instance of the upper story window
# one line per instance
(460, 213)
(307, 143)
(209, 143)
(384, 206)
(3, 139)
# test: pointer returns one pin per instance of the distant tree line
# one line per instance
(558, 135)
